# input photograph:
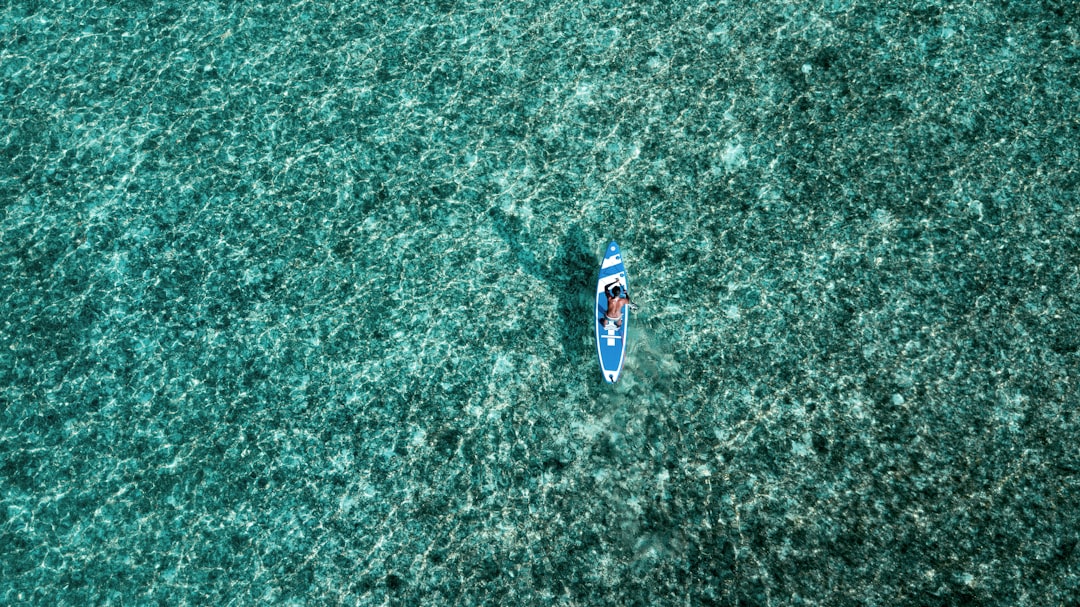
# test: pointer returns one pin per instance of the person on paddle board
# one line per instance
(616, 300)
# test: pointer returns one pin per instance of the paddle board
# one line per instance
(611, 339)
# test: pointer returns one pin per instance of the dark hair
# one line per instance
(616, 290)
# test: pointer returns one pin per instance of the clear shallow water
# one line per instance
(297, 298)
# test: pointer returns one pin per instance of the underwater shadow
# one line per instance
(575, 269)
(570, 277)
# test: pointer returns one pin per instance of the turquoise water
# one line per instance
(296, 303)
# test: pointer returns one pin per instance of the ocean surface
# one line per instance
(296, 303)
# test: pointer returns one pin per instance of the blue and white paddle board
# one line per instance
(611, 340)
